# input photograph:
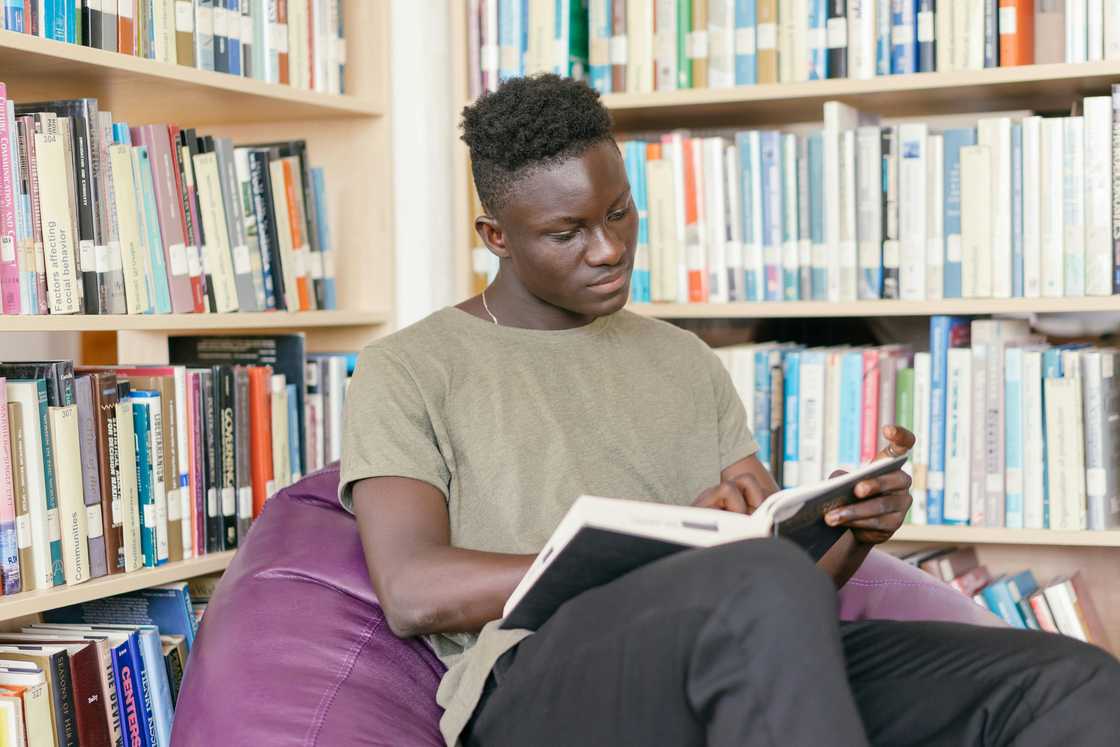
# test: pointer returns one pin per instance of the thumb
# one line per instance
(837, 473)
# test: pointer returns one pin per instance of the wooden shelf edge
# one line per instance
(790, 309)
(75, 54)
(34, 602)
(194, 322)
(999, 536)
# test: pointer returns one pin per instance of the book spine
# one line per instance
(1115, 165)
(619, 51)
(913, 231)
(295, 433)
(790, 274)
(9, 264)
(771, 214)
(954, 141)
(935, 219)
(157, 259)
(904, 40)
(958, 447)
(847, 265)
(991, 33)
(1073, 191)
(243, 433)
(810, 420)
(869, 420)
(64, 293)
(1015, 516)
(791, 435)
(227, 429)
(1034, 440)
(1097, 161)
(849, 426)
(869, 211)
(71, 506)
(890, 184)
(1017, 268)
(599, 48)
(91, 475)
(976, 219)
(761, 427)
(927, 35)
(9, 540)
(1053, 207)
(804, 222)
(145, 479)
(940, 332)
(818, 266)
(746, 47)
(1016, 32)
(922, 448)
(837, 38)
(715, 215)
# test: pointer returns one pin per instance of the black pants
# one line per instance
(740, 645)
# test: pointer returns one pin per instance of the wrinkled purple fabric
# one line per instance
(294, 649)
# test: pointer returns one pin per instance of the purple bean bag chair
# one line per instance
(294, 649)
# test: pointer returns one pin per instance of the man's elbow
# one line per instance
(408, 616)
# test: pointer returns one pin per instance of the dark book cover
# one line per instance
(105, 421)
(286, 354)
(167, 607)
(183, 172)
(91, 25)
(197, 436)
(94, 729)
(194, 146)
(227, 435)
(777, 421)
(174, 662)
(212, 434)
(837, 39)
(927, 42)
(242, 439)
(260, 184)
(221, 37)
(891, 249)
(991, 33)
(91, 473)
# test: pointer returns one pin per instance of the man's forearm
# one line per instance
(844, 558)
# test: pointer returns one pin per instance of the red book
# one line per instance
(190, 227)
(971, 582)
(1016, 32)
(869, 432)
(1042, 612)
(693, 248)
(260, 435)
(299, 248)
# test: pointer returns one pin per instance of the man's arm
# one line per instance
(424, 584)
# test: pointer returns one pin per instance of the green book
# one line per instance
(904, 405)
(578, 59)
(684, 28)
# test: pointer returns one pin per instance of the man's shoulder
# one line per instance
(424, 335)
(657, 332)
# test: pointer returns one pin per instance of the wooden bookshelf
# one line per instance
(952, 535)
(195, 323)
(800, 309)
(35, 602)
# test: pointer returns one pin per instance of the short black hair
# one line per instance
(528, 123)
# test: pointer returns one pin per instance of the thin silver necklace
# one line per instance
(488, 311)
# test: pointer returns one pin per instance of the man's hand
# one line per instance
(740, 494)
(884, 500)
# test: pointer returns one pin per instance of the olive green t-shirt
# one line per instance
(512, 425)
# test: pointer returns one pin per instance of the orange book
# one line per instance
(1016, 32)
(693, 234)
(260, 435)
(653, 151)
(299, 250)
(126, 30)
(282, 54)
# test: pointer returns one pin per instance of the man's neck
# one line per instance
(512, 305)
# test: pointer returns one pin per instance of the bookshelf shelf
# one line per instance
(271, 320)
(134, 88)
(1037, 87)
(791, 309)
(1000, 536)
(34, 602)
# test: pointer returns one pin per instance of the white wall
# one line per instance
(422, 122)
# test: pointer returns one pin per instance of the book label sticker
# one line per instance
(241, 263)
(953, 248)
(101, 262)
(115, 508)
(93, 519)
(194, 261)
(925, 26)
(818, 38)
(891, 253)
(184, 16)
(211, 501)
(245, 503)
(935, 480)
(233, 24)
(54, 531)
(744, 41)
(994, 482)
(901, 35)
(229, 501)
(7, 249)
(340, 50)
(269, 489)
(282, 39)
(94, 5)
(23, 531)
(115, 262)
(768, 35)
(124, 9)
(1107, 367)
(1096, 481)
(1014, 480)
(619, 53)
(837, 33)
(316, 266)
(149, 515)
(174, 506)
(204, 17)
(246, 29)
(1007, 21)
(328, 264)
(87, 253)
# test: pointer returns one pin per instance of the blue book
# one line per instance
(771, 147)
(599, 76)
(13, 16)
(221, 36)
(819, 272)
(818, 39)
(634, 153)
(55, 19)
(761, 425)
(167, 607)
(998, 598)
(233, 46)
(991, 33)
(141, 419)
(787, 160)
(1017, 209)
(746, 62)
(940, 336)
(744, 142)
(1013, 436)
(904, 36)
(128, 678)
(954, 140)
(791, 368)
(509, 38)
(319, 191)
(153, 237)
(851, 409)
(1021, 586)
(294, 420)
(159, 689)
(927, 48)
(883, 47)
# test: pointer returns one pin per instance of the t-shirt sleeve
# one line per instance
(387, 429)
(735, 438)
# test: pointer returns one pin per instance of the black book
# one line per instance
(59, 376)
(193, 144)
(91, 25)
(891, 249)
(264, 209)
(927, 49)
(601, 539)
(226, 426)
(837, 38)
(210, 449)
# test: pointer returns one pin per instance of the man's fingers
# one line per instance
(837, 473)
(899, 441)
(726, 496)
(892, 482)
(883, 505)
(883, 523)
(750, 489)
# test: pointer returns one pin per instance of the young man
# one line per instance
(470, 433)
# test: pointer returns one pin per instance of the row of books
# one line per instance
(1006, 207)
(106, 471)
(98, 217)
(640, 46)
(1011, 432)
(296, 42)
(1062, 606)
(100, 673)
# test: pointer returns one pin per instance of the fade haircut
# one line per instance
(529, 123)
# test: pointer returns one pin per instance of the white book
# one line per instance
(594, 527)
(1065, 453)
(753, 259)
(995, 133)
(1099, 389)
(715, 219)
(1077, 27)
(958, 432)
(862, 26)
(976, 218)
(790, 243)
(59, 239)
(946, 42)
(135, 262)
(41, 576)
(787, 25)
(869, 208)
(281, 461)
(811, 403)
(838, 117)
(742, 366)
(912, 212)
(734, 220)
(1053, 207)
(1034, 452)
(1098, 195)
(801, 40)
(673, 149)
(721, 43)
(130, 488)
(974, 34)
(66, 454)
(1111, 30)
(849, 232)
(1094, 42)
(665, 45)
(1073, 196)
(920, 460)
(662, 230)
(935, 250)
(216, 252)
(1032, 207)
(640, 67)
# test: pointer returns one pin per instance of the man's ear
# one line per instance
(492, 235)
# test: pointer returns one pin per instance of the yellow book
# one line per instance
(68, 486)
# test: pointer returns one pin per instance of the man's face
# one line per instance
(571, 230)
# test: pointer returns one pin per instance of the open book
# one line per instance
(601, 539)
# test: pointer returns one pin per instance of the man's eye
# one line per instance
(562, 237)
(619, 214)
